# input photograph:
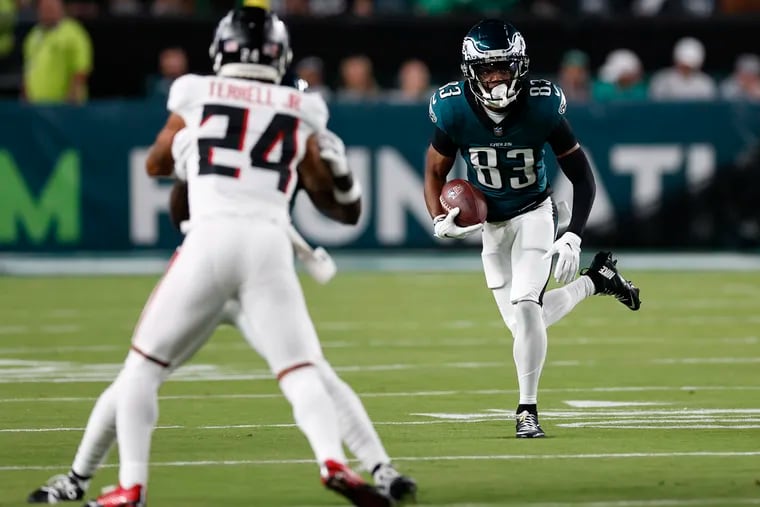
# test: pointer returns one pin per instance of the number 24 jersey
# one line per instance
(251, 136)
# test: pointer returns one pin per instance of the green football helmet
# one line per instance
(494, 62)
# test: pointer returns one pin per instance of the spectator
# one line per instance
(485, 7)
(172, 8)
(172, 63)
(57, 57)
(620, 78)
(311, 70)
(739, 6)
(573, 76)
(413, 83)
(685, 80)
(744, 83)
(357, 79)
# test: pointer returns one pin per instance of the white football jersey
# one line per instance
(251, 136)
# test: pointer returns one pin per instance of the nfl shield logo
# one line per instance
(498, 131)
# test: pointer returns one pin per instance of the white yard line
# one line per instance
(487, 457)
(404, 394)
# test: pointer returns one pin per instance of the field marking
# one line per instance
(407, 394)
(462, 342)
(14, 371)
(487, 457)
(707, 360)
(609, 419)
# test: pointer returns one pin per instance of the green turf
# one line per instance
(429, 343)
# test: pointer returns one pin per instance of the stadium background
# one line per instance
(675, 176)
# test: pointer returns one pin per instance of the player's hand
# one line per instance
(181, 149)
(568, 247)
(444, 226)
(333, 151)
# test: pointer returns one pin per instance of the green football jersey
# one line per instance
(505, 160)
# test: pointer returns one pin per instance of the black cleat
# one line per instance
(527, 425)
(391, 483)
(60, 488)
(346, 482)
(608, 280)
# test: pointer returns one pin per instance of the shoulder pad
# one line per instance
(182, 91)
(443, 104)
(547, 96)
(315, 111)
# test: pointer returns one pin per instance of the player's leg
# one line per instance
(178, 311)
(99, 437)
(356, 429)
(534, 232)
(280, 328)
(601, 277)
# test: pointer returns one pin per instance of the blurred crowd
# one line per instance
(620, 77)
(24, 9)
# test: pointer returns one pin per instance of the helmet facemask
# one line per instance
(495, 75)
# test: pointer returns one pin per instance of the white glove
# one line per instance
(444, 226)
(182, 145)
(568, 246)
(333, 151)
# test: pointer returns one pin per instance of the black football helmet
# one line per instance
(253, 43)
(494, 45)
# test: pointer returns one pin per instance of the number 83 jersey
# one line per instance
(505, 159)
(251, 136)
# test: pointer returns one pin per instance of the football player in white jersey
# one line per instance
(356, 428)
(244, 142)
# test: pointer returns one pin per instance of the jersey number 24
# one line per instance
(281, 129)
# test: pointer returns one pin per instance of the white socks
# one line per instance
(355, 426)
(314, 412)
(136, 415)
(99, 435)
(529, 349)
(560, 301)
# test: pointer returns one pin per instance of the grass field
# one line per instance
(659, 407)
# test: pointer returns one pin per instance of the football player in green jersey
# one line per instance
(499, 119)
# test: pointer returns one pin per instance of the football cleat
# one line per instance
(60, 488)
(527, 425)
(344, 481)
(391, 483)
(608, 280)
(119, 497)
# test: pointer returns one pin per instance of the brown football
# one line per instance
(459, 193)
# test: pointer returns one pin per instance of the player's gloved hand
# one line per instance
(568, 247)
(181, 149)
(333, 151)
(444, 226)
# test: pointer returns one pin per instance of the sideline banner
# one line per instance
(72, 178)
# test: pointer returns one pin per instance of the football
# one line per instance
(459, 193)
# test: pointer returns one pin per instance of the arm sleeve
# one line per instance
(562, 138)
(578, 171)
(443, 143)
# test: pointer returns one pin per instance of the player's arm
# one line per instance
(160, 161)
(329, 182)
(439, 160)
(574, 164)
